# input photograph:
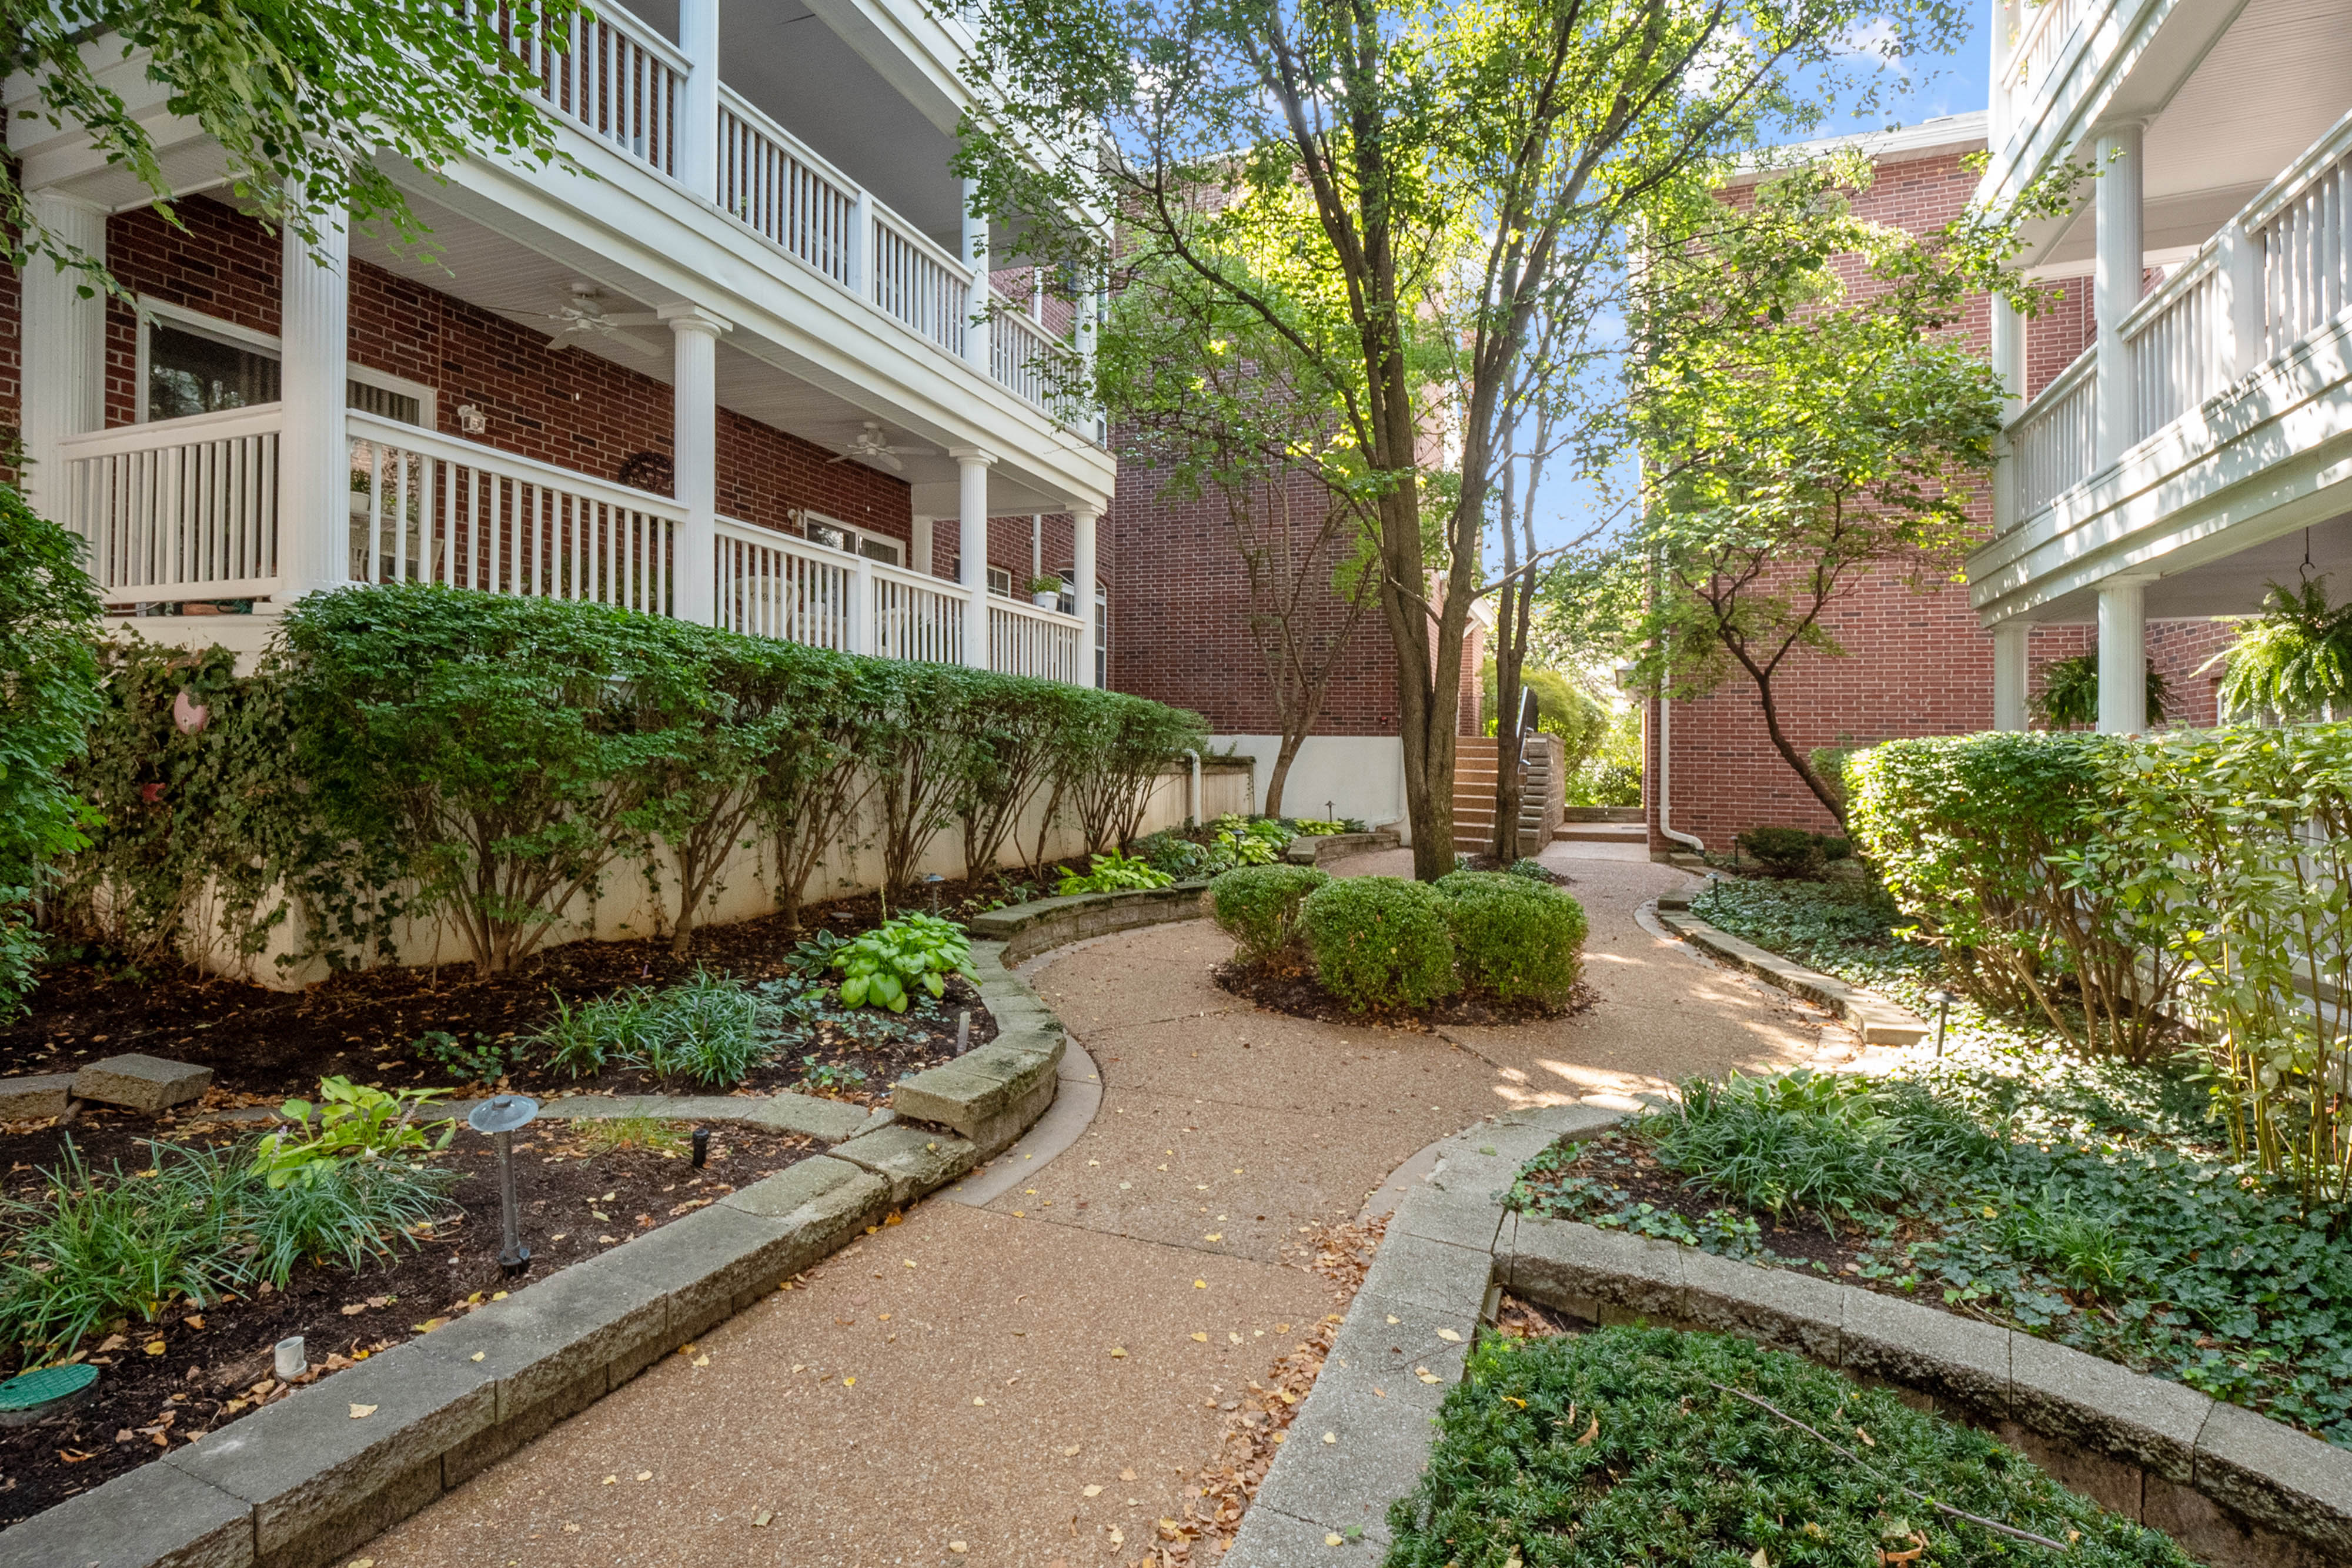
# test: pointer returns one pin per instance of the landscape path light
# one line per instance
(498, 1116)
(1943, 1001)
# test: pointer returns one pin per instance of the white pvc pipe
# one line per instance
(1666, 793)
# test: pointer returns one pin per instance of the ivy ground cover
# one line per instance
(1697, 1450)
(2082, 1202)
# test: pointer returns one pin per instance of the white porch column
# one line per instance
(971, 548)
(2114, 286)
(919, 551)
(694, 456)
(2008, 642)
(65, 351)
(975, 256)
(2009, 364)
(1083, 514)
(2123, 658)
(314, 459)
(698, 119)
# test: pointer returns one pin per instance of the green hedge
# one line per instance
(2116, 881)
(491, 760)
(1258, 905)
(1516, 939)
(1381, 942)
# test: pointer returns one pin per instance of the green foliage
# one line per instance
(2069, 698)
(709, 1028)
(1258, 907)
(631, 1134)
(355, 1122)
(1515, 939)
(1996, 844)
(48, 697)
(199, 1224)
(1563, 708)
(485, 1059)
(1792, 851)
(581, 1040)
(883, 968)
(291, 94)
(829, 1076)
(1381, 942)
(1183, 859)
(1630, 1445)
(1533, 870)
(1251, 840)
(1847, 929)
(2293, 661)
(1113, 872)
(1315, 828)
(1833, 1144)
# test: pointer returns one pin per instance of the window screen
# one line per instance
(189, 374)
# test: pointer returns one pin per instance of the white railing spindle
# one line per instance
(2056, 439)
(185, 508)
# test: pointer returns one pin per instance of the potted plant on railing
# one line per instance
(1046, 592)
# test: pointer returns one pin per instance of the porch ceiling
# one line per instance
(501, 274)
(2276, 79)
(2232, 584)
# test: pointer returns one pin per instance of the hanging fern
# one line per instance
(2295, 660)
(2070, 694)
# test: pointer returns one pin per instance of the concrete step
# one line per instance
(1602, 833)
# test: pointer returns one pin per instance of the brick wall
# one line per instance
(1180, 608)
(565, 406)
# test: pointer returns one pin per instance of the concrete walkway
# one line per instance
(1032, 1382)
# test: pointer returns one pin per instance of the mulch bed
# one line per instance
(1285, 987)
(363, 1024)
(214, 1362)
(1622, 1160)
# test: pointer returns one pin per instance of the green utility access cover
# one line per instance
(43, 1392)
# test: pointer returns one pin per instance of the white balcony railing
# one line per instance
(1021, 357)
(427, 508)
(2048, 29)
(186, 508)
(2276, 275)
(921, 286)
(2175, 340)
(783, 192)
(613, 77)
(2053, 441)
(1024, 639)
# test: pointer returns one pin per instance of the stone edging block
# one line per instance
(1308, 849)
(1879, 1021)
(301, 1482)
(1025, 930)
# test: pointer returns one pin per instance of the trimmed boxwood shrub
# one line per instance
(1517, 940)
(1257, 905)
(1628, 1445)
(1381, 942)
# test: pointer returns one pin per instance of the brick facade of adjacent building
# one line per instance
(1915, 662)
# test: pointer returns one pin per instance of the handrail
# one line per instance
(2084, 366)
(2054, 22)
(931, 248)
(758, 120)
(644, 34)
(450, 448)
(227, 425)
(2314, 161)
(907, 576)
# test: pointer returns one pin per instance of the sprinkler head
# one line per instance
(701, 1147)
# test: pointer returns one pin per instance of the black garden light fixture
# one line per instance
(499, 1116)
(701, 1147)
(1943, 1001)
(933, 881)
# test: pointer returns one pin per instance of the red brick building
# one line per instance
(1917, 663)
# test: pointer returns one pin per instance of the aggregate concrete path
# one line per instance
(945, 1392)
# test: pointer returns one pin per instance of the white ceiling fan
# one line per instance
(582, 315)
(872, 444)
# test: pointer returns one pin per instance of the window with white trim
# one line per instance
(833, 534)
(191, 363)
(1000, 581)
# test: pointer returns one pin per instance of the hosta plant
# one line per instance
(883, 968)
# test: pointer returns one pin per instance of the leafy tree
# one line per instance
(1240, 418)
(1824, 433)
(48, 696)
(1563, 708)
(1394, 191)
(304, 99)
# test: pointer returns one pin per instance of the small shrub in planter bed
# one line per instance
(1113, 873)
(1516, 939)
(1628, 1445)
(1381, 942)
(1792, 852)
(1257, 905)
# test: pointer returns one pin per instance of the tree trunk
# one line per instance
(1280, 774)
(1790, 755)
(1510, 663)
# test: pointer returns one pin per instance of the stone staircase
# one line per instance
(1603, 825)
(1474, 762)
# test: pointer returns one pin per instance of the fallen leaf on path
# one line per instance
(1070, 1451)
(1126, 1475)
(153, 1347)
(956, 1546)
(1425, 1375)
(361, 1412)
(760, 1519)
(610, 1480)
(645, 1475)
(1449, 1336)
(1116, 1353)
(1117, 1536)
(1091, 1491)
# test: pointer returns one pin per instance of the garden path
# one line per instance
(950, 1390)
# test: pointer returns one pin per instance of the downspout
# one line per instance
(1697, 845)
(1192, 799)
